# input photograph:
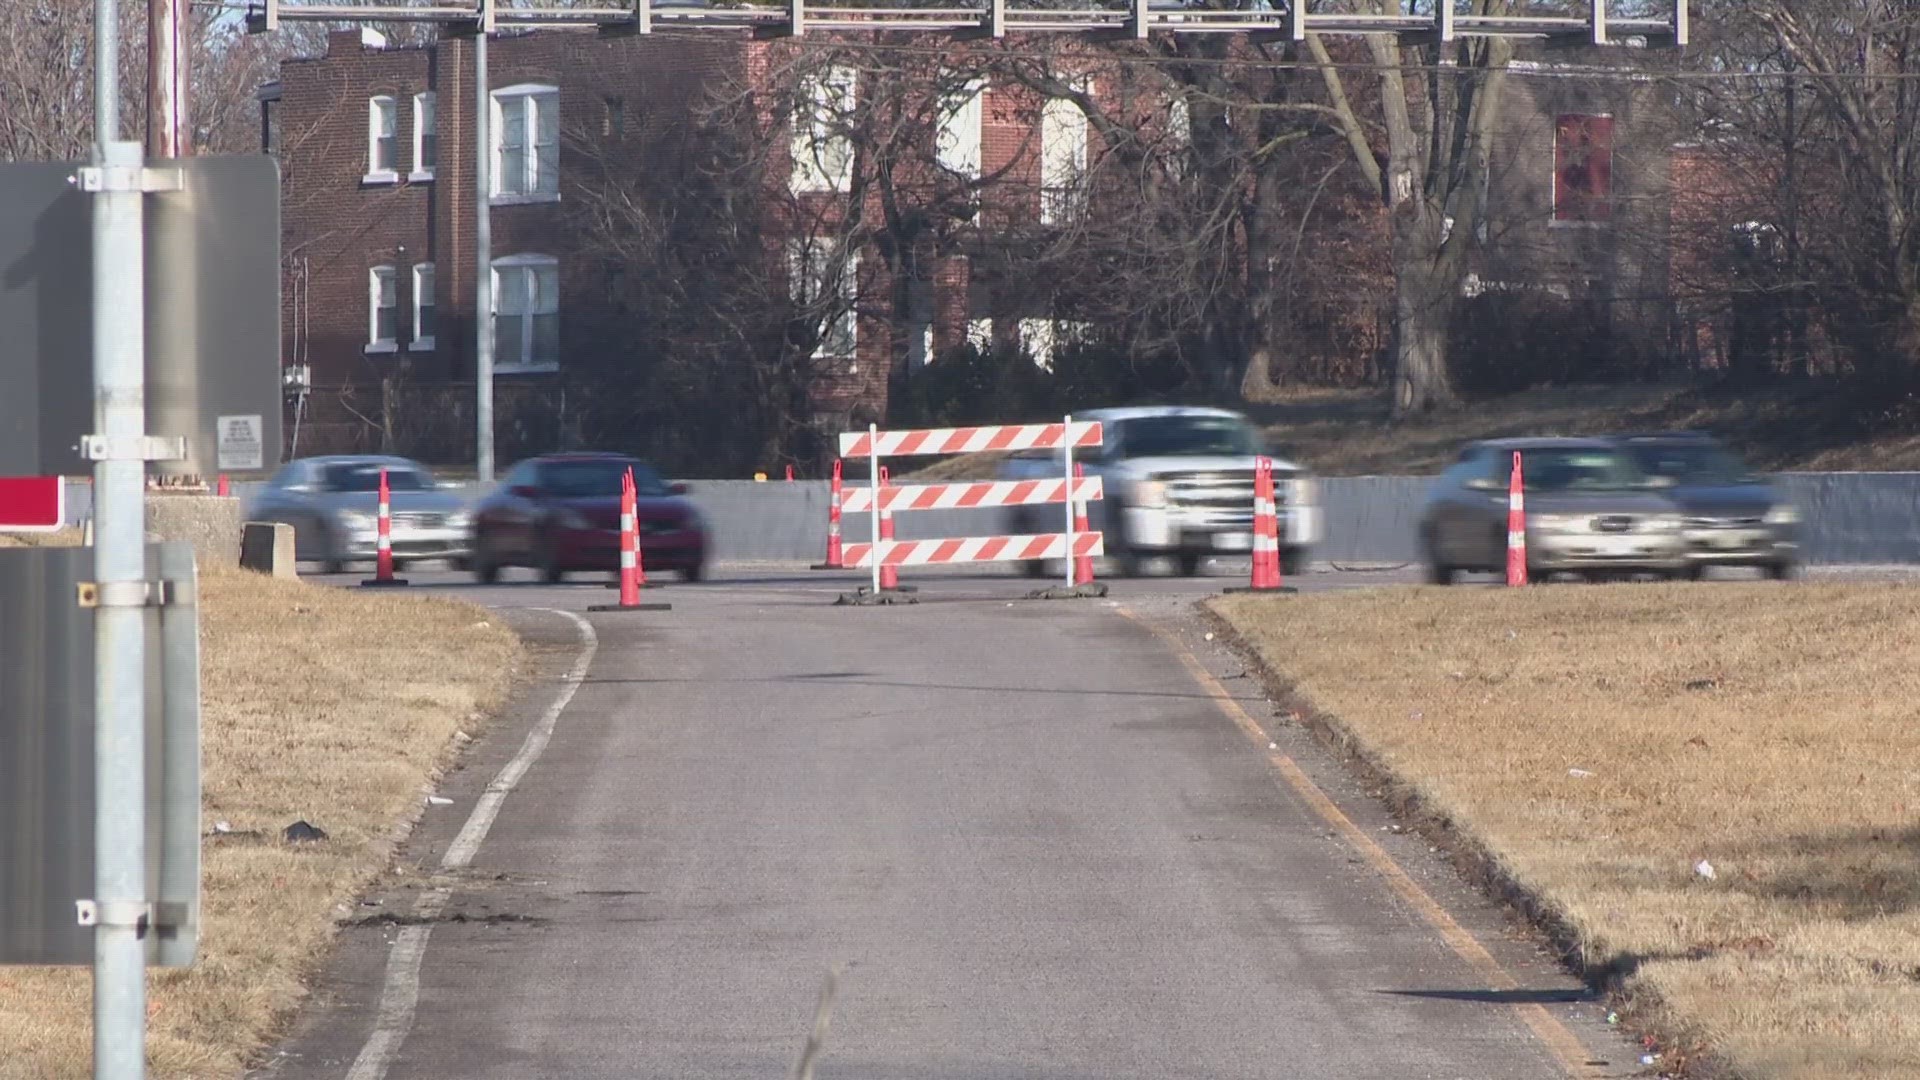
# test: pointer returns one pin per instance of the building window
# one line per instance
(825, 295)
(1582, 169)
(422, 308)
(270, 126)
(980, 334)
(957, 143)
(822, 152)
(526, 144)
(1063, 162)
(1179, 135)
(526, 314)
(426, 137)
(383, 306)
(380, 141)
(613, 121)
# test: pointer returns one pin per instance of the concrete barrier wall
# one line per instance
(1849, 517)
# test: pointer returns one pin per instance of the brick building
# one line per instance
(376, 149)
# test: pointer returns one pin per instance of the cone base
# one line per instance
(642, 585)
(383, 583)
(1284, 590)
(825, 566)
(631, 607)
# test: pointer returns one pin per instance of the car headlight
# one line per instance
(1784, 514)
(1662, 523)
(1558, 523)
(1304, 491)
(357, 520)
(460, 519)
(1150, 494)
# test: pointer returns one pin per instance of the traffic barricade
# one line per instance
(1075, 545)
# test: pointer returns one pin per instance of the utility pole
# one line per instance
(483, 255)
(118, 447)
(169, 73)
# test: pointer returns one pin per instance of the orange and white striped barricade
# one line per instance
(1075, 545)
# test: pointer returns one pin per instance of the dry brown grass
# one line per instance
(1771, 730)
(324, 704)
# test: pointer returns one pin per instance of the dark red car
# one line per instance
(560, 513)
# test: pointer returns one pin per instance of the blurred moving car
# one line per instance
(560, 513)
(332, 503)
(1590, 510)
(1178, 483)
(1733, 516)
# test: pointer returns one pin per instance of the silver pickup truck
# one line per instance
(1178, 484)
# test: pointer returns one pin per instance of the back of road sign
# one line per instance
(46, 757)
(213, 316)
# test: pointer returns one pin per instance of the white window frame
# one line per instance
(524, 96)
(519, 262)
(423, 291)
(377, 276)
(1063, 161)
(426, 114)
(377, 105)
(958, 140)
(806, 281)
(817, 132)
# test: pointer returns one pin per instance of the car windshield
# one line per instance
(599, 479)
(1703, 464)
(1562, 469)
(365, 476)
(1188, 436)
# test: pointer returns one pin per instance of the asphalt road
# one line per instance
(1035, 834)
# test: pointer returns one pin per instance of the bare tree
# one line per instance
(1425, 149)
(1856, 60)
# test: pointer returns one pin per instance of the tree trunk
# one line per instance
(1423, 308)
(1420, 380)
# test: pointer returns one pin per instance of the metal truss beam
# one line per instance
(994, 18)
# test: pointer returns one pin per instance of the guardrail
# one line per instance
(1848, 518)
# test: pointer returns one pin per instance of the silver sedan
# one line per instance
(1589, 511)
(332, 503)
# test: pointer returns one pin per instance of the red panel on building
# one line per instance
(32, 503)
(1583, 168)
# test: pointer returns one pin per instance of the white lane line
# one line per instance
(400, 995)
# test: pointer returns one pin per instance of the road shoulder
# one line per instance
(343, 1006)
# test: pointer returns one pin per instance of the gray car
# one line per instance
(1589, 511)
(332, 503)
(1733, 516)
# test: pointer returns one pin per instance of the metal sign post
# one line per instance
(119, 452)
